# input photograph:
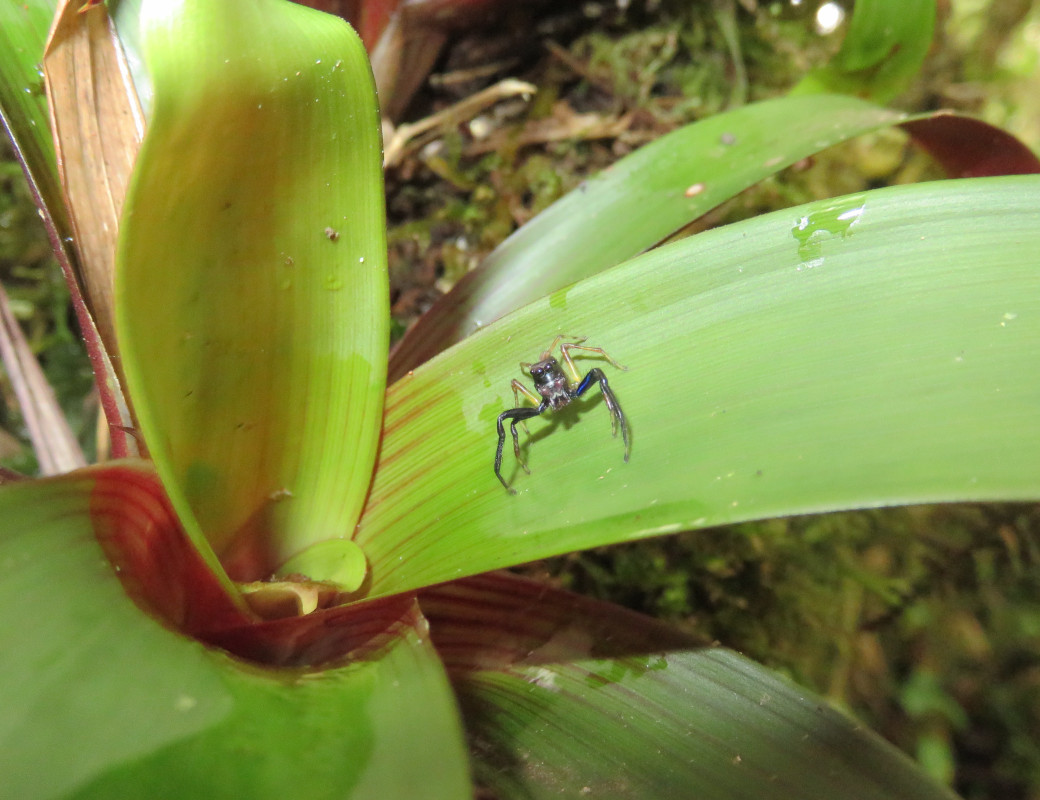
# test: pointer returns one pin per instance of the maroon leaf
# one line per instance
(970, 148)
(163, 573)
(498, 619)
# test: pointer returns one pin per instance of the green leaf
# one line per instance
(636, 203)
(252, 275)
(883, 50)
(23, 106)
(870, 350)
(647, 196)
(567, 696)
(706, 723)
(102, 701)
(87, 680)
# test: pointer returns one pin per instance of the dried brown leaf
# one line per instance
(98, 125)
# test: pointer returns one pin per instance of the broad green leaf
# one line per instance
(102, 701)
(871, 350)
(564, 695)
(252, 286)
(706, 723)
(647, 196)
(883, 50)
(636, 203)
(88, 681)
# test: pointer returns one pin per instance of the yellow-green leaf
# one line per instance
(252, 283)
(875, 349)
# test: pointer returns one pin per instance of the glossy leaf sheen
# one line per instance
(252, 286)
(875, 349)
(101, 701)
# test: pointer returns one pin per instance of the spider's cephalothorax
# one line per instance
(556, 386)
(551, 383)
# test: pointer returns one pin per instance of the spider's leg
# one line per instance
(518, 389)
(562, 337)
(514, 415)
(516, 446)
(617, 416)
(498, 452)
(568, 359)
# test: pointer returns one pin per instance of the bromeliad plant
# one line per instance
(295, 596)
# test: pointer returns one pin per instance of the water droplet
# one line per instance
(825, 222)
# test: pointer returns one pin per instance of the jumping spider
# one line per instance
(556, 389)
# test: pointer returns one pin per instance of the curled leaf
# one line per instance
(252, 285)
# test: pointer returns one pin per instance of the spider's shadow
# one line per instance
(567, 417)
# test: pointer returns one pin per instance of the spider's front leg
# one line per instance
(514, 415)
(617, 416)
(520, 389)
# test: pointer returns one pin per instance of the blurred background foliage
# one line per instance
(925, 621)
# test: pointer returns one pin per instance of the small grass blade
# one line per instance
(53, 442)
